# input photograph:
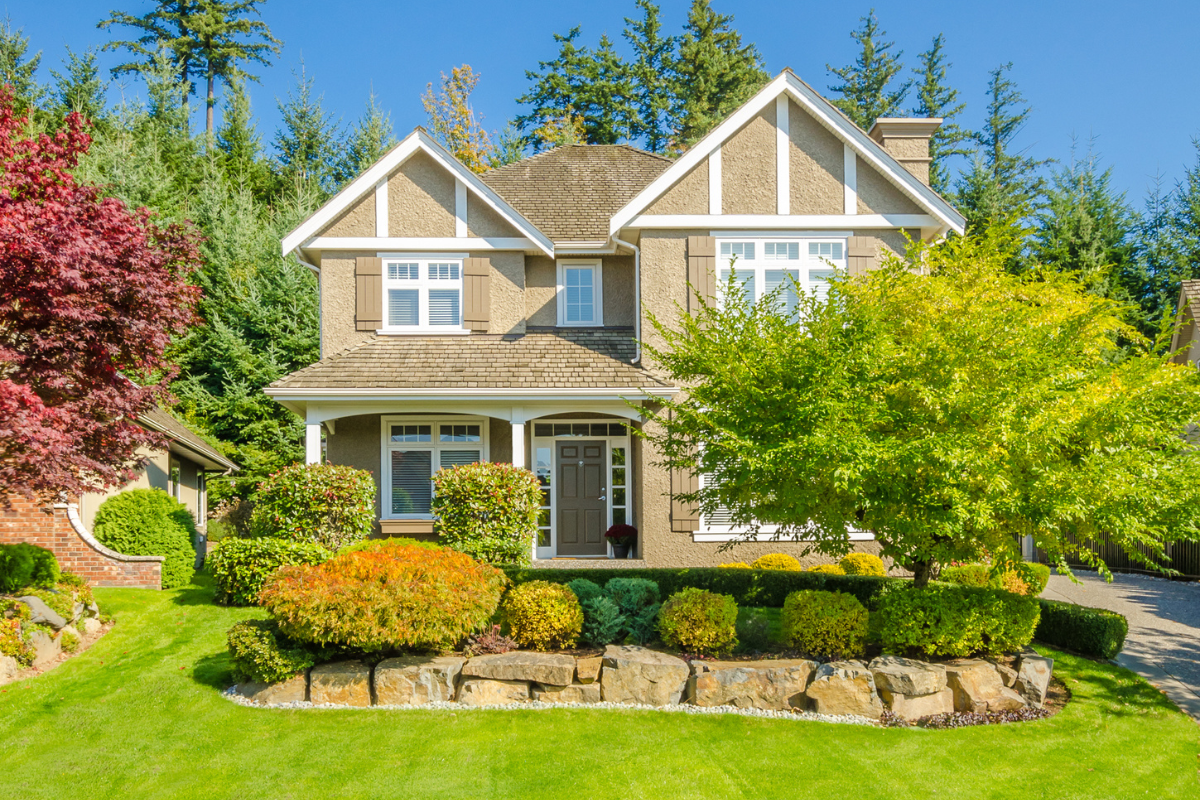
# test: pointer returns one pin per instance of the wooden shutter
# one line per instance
(860, 254)
(368, 307)
(684, 518)
(477, 281)
(702, 271)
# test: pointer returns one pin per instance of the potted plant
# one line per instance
(621, 537)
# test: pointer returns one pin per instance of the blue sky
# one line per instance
(1121, 72)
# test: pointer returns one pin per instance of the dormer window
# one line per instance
(422, 294)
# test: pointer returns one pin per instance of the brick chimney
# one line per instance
(906, 139)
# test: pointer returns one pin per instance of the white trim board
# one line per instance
(775, 221)
(418, 244)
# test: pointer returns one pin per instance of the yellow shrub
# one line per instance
(543, 615)
(828, 569)
(777, 561)
(736, 565)
(863, 564)
(1010, 581)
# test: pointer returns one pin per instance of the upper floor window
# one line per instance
(422, 293)
(764, 265)
(580, 294)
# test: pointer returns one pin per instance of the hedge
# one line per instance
(149, 522)
(1092, 632)
(240, 567)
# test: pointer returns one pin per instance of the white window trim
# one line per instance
(597, 292)
(760, 264)
(766, 533)
(423, 284)
(434, 446)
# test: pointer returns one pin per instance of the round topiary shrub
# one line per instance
(240, 567)
(829, 624)
(777, 561)
(863, 564)
(23, 564)
(149, 522)
(696, 621)
(392, 595)
(603, 622)
(827, 569)
(543, 615)
(329, 504)
(488, 511)
(955, 621)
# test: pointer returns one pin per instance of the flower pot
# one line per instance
(620, 550)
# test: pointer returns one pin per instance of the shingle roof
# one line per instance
(570, 193)
(1191, 289)
(562, 359)
(176, 430)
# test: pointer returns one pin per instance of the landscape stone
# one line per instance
(577, 693)
(416, 680)
(917, 706)
(8, 669)
(587, 670)
(293, 690)
(91, 626)
(634, 674)
(344, 683)
(40, 612)
(94, 609)
(1006, 700)
(522, 665)
(1007, 674)
(487, 692)
(975, 682)
(908, 677)
(845, 687)
(77, 612)
(775, 685)
(1033, 677)
(46, 648)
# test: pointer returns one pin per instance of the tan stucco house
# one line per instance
(497, 316)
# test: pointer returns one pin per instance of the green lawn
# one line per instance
(139, 716)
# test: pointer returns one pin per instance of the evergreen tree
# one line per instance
(307, 143)
(165, 29)
(1156, 267)
(650, 73)
(369, 138)
(555, 85)
(80, 90)
(714, 74)
(240, 144)
(864, 88)
(18, 69)
(509, 147)
(936, 98)
(452, 119)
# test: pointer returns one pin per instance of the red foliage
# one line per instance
(90, 293)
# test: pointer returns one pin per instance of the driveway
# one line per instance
(1164, 627)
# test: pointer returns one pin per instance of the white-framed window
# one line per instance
(762, 265)
(414, 448)
(580, 294)
(423, 293)
(718, 526)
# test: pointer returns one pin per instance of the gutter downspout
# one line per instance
(320, 328)
(637, 298)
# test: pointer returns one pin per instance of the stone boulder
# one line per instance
(40, 612)
(1007, 674)
(46, 648)
(917, 706)
(845, 687)
(486, 692)
(343, 683)
(8, 669)
(1033, 677)
(637, 675)
(978, 687)
(91, 626)
(416, 680)
(908, 677)
(293, 690)
(575, 694)
(587, 670)
(776, 685)
(522, 665)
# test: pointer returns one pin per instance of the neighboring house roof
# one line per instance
(1185, 331)
(566, 359)
(571, 192)
(182, 436)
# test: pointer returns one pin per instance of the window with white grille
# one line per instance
(762, 266)
(415, 450)
(422, 294)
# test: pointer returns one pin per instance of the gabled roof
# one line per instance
(417, 141)
(827, 115)
(183, 436)
(571, 192)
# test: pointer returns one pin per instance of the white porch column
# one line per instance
(518, 444)
(312, 443)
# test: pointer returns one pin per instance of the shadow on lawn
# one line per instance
(1119, 692)
(197, 593)
(214, 670)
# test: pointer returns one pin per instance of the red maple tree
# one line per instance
(91, 294)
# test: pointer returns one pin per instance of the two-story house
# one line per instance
(498, 316)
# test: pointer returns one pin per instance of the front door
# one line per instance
(582, 501)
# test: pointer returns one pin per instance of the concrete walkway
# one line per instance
(1163, 645)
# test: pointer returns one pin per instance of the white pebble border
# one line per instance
(537, 705)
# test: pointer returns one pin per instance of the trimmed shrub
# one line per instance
(240, 567)
(543, 615)
(261, 653)
(1038, 575)
(1024, 578)
(1091, 632)
(954, 621)
(585, 590)
(863, 564)
(392, 595)
(696, 621)
(603, 622)
(642, 625)
(977, 575)
(735, 565)
(753, 632)
(827, 569)
(329, 504)
(776, 561)
(23, 564)
(149, 522)
(488, 511)
(825, 624)
(632, 595)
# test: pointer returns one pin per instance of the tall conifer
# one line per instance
(937, 98)
(866, 89)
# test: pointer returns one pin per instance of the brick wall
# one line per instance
(59, 529)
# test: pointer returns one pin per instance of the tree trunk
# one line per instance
(922, 571)
(208, 112)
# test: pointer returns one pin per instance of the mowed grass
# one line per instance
(140, 716)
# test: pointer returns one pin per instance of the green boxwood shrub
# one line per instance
(696, 621)
(954, 621)
(261, 653)
(329, 504)
(240, 567)
(543, 615)
(977, 575)
(1038, 575)
(23, 564)
(824, 624)
(149, 522)
(1091, 632)
(488, 511)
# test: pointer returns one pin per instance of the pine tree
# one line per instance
(1153, 273)
(714, 74)
(369, 138)
(80, 90)
(240, 144)
(306, 145)
(165, 29)
(864, 88)
(18, 69)
(650, 73)
(452, 119)
(936, 98)
(555, 85)
(509, 147)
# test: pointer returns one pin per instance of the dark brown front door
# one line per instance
(582, 501)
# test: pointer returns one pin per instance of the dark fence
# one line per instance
(1183, 557)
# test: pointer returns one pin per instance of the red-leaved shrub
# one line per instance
(389, 595)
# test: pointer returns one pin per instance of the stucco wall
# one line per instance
(483, 221)
(748, 167)
(688, 196)
(817, 165)
(540, 288)
(358, 220)
(877, 195)
(153, 475)
(618, 290)
(421, 199)
(664, 277)
(338, 298)
(507, 291)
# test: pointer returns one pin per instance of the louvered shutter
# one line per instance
(702, 270)
(368, 277)
(684, 518)
(477, 279)
(860, 254)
